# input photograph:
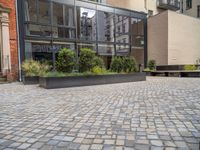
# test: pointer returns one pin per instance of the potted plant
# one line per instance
(32, 70)
(91, 70)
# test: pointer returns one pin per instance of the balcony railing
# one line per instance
(169, 4)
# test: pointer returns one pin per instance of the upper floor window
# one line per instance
(198, 11)
(188, 4)
(150, 13)
(37, 11)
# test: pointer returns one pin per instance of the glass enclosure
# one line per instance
(46, 26)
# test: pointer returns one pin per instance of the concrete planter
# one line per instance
(28, 80)
(190, 74)
(74, 81)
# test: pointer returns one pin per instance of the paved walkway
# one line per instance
(157, 114)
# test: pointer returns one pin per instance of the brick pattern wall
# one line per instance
(13, 38)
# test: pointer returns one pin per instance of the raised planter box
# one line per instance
(178, 73)
(74, 81)
(190, 74)
(28, 80)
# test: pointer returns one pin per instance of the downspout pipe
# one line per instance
(18, 43)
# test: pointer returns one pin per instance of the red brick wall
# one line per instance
(13, 37)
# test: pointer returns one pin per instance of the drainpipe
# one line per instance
(18, 44)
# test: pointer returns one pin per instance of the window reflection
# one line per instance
(38, 30)
(122, 50)
(105, 26)
(107, 33)
(86, 20)
(86, 45)
(58, 14)
(38, 51)
(106, 49)
(122, 29)
(30, 10)
(43, 12)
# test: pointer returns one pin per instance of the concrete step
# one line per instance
(2, 78)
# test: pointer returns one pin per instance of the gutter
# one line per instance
(18, 44)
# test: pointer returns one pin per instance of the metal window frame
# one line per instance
(75, 4)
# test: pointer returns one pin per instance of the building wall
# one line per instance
(138, 5)
(193, 11)
(158, 38)
(183, 39)
(13, 37)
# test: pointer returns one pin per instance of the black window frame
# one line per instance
(188, 4)
(75, 3)
(198, 11)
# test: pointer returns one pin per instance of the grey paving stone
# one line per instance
(84, 147)
(96, 146)
(24, 146)
(156, 143)
(63, 144)
(141, 147)
(37, 145)
(53, 142)
(73, 146)
(161, 112)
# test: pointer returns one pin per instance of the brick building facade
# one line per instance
(8, 40)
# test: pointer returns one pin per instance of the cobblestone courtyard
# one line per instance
(162, 113)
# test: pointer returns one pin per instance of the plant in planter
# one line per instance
(33, 69)
(86, 59)
(152, 64)
(129, 64)
(66, 60)
(98, 61)
(98, 70)
(189, 67)
(123, 64)
(117, 64)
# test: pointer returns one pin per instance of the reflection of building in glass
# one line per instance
(77, 24)
(87, 24)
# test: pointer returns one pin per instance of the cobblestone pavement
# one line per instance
(161, 113)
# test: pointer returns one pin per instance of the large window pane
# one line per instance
(122, 29)
(86, 45)
(38, 30)
(105, 26)
(30, 10)
(38, 51)
(122, 50)
(106, 49)
(63, 32)
(137, 32)
(63, 15)
(69, 16)
(58, 14)
(86, 24)
(44, 12)
(63, 21)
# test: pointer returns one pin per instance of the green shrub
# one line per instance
(98, 61)
(34, 68)
(147, 70)
(54, 74)
(189, 67)
(129, 64)
(66, 60)
(86, 59)
(152, 64)
(44, 67)
(31, 67)
(98, 70)
(117, 64)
